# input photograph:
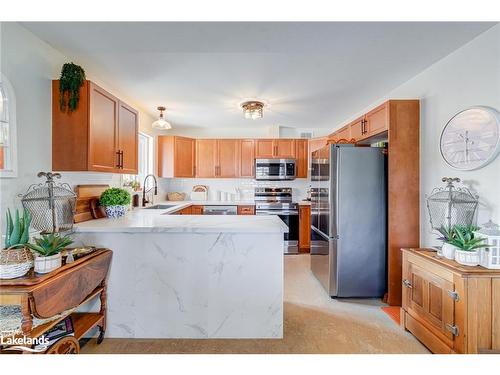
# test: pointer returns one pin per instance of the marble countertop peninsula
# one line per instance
(159, 220)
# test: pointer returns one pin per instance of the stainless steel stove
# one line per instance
(278, 201)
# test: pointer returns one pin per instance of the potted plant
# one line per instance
(467, 251)
(71, 80)
(115, 201)
(15, 257)
(448, 249)
(48, 249)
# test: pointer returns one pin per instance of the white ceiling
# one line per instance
(313, 75)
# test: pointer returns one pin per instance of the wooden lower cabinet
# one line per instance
(246, 210)
(184, 211)
(304, 228)
(450, 308)
(196, 210)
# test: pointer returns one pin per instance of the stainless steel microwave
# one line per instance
(275, 169)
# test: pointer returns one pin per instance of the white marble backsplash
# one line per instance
(230, 185)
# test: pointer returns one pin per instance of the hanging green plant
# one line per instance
(72, 78)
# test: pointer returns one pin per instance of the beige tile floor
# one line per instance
(314, 323)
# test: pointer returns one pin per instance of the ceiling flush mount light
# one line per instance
(253, 109)
(161, 123)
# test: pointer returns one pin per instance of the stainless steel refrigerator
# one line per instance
(348, 208)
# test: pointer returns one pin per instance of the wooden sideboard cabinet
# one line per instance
(101, 135)
(449, 307)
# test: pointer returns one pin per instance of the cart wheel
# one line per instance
(100, 338)
(66, 345)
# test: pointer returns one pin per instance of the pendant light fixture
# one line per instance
(253, 109)
(161, 123)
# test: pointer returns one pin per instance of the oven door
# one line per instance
(291, 219)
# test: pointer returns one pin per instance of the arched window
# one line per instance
(8, 156)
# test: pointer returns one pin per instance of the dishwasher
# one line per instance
(220, 210)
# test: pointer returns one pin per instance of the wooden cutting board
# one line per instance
(87, 198)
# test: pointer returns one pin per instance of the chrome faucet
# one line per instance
(144, 191)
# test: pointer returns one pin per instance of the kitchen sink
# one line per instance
(160, 207)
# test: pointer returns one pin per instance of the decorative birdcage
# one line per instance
(51, 205)
(450, 205)
(490, 256)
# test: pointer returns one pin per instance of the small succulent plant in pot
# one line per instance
(115, 201)
(447, 235)
(467, 245)
(48, 250)
(15, 258)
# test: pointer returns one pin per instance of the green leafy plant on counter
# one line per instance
(17, 229)
(115, 197)
(70, 82)
(50, 244)
(463, 238)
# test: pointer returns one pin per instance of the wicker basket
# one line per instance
(15, 262)
(175, 196)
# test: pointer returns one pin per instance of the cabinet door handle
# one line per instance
(453, 329)
(194, 170)
(121, 160)
(407, 284)
(118, 165)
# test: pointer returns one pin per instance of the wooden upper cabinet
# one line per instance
(285, 148)
(100, 135)
(217, 158)
(176, 156)
(317, 143)
(128, 130)
(302, 157)
(247, 157)
(377, 120)
(275, 148)
(227, 158)
(343, 134)
(103, 137)
(356, 129)
(264, 148)
(206, 159)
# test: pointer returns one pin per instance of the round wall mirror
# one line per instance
(471, 139)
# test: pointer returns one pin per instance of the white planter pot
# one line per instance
(115, 212)
(467, 258)
(448, 250)
(48, 264)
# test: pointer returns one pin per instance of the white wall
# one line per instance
(30, 64)
(469, 76)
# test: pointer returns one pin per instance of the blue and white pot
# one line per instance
(114, 212)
